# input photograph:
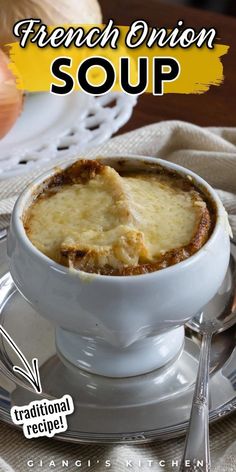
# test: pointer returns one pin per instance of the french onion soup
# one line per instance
(93, 218)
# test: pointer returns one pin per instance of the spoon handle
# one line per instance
(197, 451)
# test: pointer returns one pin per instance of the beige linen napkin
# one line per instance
(210, 152)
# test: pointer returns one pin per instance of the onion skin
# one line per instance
(11, 99)
(50, 12)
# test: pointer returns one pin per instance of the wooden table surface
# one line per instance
(217, 107)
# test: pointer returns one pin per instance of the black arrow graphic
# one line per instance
(32, 372)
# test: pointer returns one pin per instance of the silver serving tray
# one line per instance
(139, 409)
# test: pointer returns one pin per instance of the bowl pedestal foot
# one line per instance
(99, 357)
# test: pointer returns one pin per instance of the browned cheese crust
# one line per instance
(84, 170)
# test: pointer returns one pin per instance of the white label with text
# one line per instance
(43, 417)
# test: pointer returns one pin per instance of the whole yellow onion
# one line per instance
(51, 12)
(11, 99)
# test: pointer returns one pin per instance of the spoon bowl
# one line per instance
(217, 316)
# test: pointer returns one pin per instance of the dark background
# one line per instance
(217, 107)
(228, 7)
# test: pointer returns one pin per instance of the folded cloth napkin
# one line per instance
(211, 153)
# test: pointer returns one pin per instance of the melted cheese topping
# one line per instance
(114, 221)
(167, 216)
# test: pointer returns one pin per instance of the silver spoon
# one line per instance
(218, 315)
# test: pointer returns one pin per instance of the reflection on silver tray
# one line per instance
(152, 406)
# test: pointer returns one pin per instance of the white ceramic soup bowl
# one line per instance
(118, 326)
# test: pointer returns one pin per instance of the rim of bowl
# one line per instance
(26, 197)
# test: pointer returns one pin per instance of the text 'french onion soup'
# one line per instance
(93, 218)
